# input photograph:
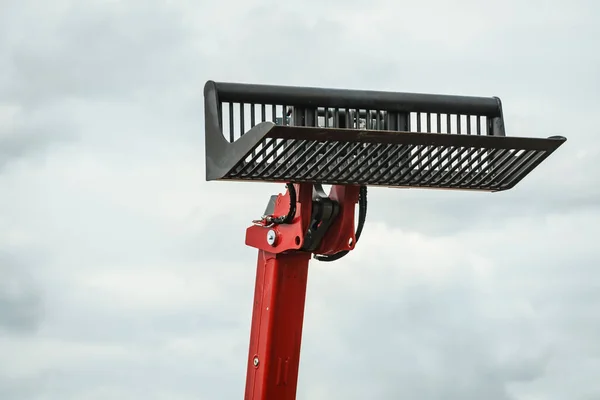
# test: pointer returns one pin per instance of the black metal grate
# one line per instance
(387, 164)
(366, 138)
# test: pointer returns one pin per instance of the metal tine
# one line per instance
(419, 125)
(332, 148)
(339, 166)
(428, 166)
(281, 148)
(378, 125)
(221, 116)
(339, 161)
(242, 128)
(252, 122)
(263, 112)
(429, 130)
(515, 164)
(290, 151)
(405, 149)
(478, 130)
(507, 165)
(492, 169)
(326, 121)
(357, 165)
(429, 123)
(469, 124)
(231, 124)
(438, 122)
(288, 143)
(397, 152)
(306, 147)
(539, 157)
(524, 160)
(373, 160)
(424, 155)
(266, 144)
(442, 172)
(274, 116)
(498, 156)
(494, 154)
(450, 171)
(336, 117)
(272, 153)
(440, 160)
(470, 165)
(348, 118)
(459, 131)
(419, 149)
(306, 119)
(313, 156)
(369, 120)
(448, 123)
(468, 171)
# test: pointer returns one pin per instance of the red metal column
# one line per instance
(276, 332)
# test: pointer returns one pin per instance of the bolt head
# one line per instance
(271, 237)
(255, 361)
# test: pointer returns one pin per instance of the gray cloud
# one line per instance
(140, 285)
(21, 309)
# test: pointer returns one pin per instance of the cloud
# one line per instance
(124, 275)
(21, 309)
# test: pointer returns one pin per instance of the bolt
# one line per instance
(255, 361)
(271, 236)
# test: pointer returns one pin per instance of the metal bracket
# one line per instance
(324, 212)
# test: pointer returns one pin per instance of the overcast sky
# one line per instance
(123, 275)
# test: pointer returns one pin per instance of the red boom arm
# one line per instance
(280, 290)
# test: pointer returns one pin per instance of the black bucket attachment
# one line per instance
(355, 137)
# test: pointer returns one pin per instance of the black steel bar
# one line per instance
(450, 158)
(272, 153)
(231, 123)
(339, 161)
(342, 98)
(314, 156)
(356, 166)
(242, 128)
(291, 162)
(290, 151)
(332, 148)
(540, 156)
(370, 161)
(405, 149)
(244, 165)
